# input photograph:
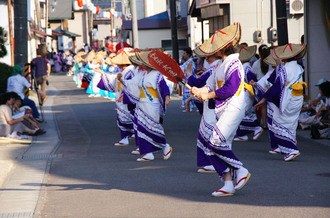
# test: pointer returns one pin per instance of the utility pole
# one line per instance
(11, 36)
(134, 25)
(282, 24)
(175, 46)
(21, 32)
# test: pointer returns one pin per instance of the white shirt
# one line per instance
(17, 84)
(256, 68)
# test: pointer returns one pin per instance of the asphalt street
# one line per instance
(93, 178)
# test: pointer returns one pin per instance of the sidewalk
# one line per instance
(24, 167)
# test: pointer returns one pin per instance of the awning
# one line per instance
(39, 33)
(64, 32)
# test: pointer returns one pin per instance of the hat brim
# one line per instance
(143, 57)
(246, 53)
(270, 61)
(121, 59)
(290, 51)
(135, 60)
(221, 39)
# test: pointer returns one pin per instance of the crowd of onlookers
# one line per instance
(19, 116)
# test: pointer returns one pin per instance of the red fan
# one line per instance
(168, 67)
(121, 45)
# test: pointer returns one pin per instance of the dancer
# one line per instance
(286, 94)
(152, 97)
(249, 123)
(226, 87)
(110, 83)
(208, 117)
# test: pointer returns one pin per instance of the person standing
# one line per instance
(41, 72)
(187, 56)
(225, 85)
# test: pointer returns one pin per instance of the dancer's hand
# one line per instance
(188, 69)
(252, 83)
(277, 60)
(167, 100)
(204, 96)
(195, 91)
(259, 105)
(121, 97)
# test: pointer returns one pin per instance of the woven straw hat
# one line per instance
(270, 61)
(121, 59)
(222, 38)
(290, 51)
(90, 56)
(135, 60)
(143, 57)
(98, 59)
(246, 53)
(286, 52)
(199, 53)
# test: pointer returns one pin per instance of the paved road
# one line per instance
(93, 178)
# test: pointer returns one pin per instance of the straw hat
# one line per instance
(143, 57)
(67, 52)
(246, 53)
(290, 51)
(135, 60)
(222, 38)
(199, 53)
(98, 59)
(270, 61)
(121, 59)
(90, 56)
(286, 52)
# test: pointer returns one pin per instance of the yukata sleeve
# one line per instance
(250, 75)
(275, 92)
(261, 86)
(230, 86)
(131, 89)
(108, 82)
(163, 91)
(199, 82)
(210, 84)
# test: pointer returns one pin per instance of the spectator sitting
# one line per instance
(314, 112)
(30, 122)
(12, 127)
(17, 83)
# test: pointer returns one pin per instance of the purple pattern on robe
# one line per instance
(145, 145)
(246, 127)
(105, 83)
(203, 152)
(222, 158)
(156, 140)
(249, 75)
(232, 82)
(163, 91)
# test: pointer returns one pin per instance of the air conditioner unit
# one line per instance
(296, 6)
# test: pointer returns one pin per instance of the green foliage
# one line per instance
(3, 36)
(5, 72)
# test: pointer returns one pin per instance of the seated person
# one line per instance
(12, 127)
(30, 121)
